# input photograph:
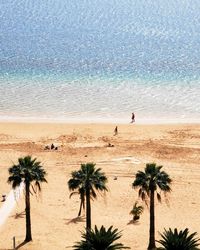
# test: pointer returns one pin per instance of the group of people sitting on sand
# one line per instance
(52, 147)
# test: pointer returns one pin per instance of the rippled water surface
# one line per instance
(100, 60)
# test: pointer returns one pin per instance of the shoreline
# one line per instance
(96, 120)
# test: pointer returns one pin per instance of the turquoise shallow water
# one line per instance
(94, 60)
(92, 99)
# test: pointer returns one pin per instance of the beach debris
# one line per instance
(52, 146)
(115, 178)
(110, 145)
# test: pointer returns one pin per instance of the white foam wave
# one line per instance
(99, 99)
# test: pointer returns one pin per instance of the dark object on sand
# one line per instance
(50, 147)
(136, 211)
(110, 145)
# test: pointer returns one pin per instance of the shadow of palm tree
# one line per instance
(75, 220)
(19, 215)
(134, 222)
(17, 247)
(21, 245)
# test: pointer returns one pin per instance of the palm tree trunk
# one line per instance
(28, 215)
(79, 213)
(88, 210)
(152, 245)
(82, 205)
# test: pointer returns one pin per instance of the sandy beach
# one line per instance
(54, 216)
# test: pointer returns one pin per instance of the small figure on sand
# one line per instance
(116, 131)
(133, 118)
(52, 147)
(46, 147)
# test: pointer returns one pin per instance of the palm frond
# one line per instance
(137, 210)
(151, 180)
(100, 239)
(27, 170)
(87, 178)
(182, 240)
(158, 197)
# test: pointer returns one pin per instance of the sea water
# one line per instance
(97, 61)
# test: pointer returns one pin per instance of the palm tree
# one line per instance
(100, 240)
(174, 240)
(90, 180)
(148, 183)
(136, 211)
(27, 171)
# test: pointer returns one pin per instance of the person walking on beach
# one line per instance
(116, 131)
(133, 118)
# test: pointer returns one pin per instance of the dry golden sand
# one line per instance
(54, 222)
